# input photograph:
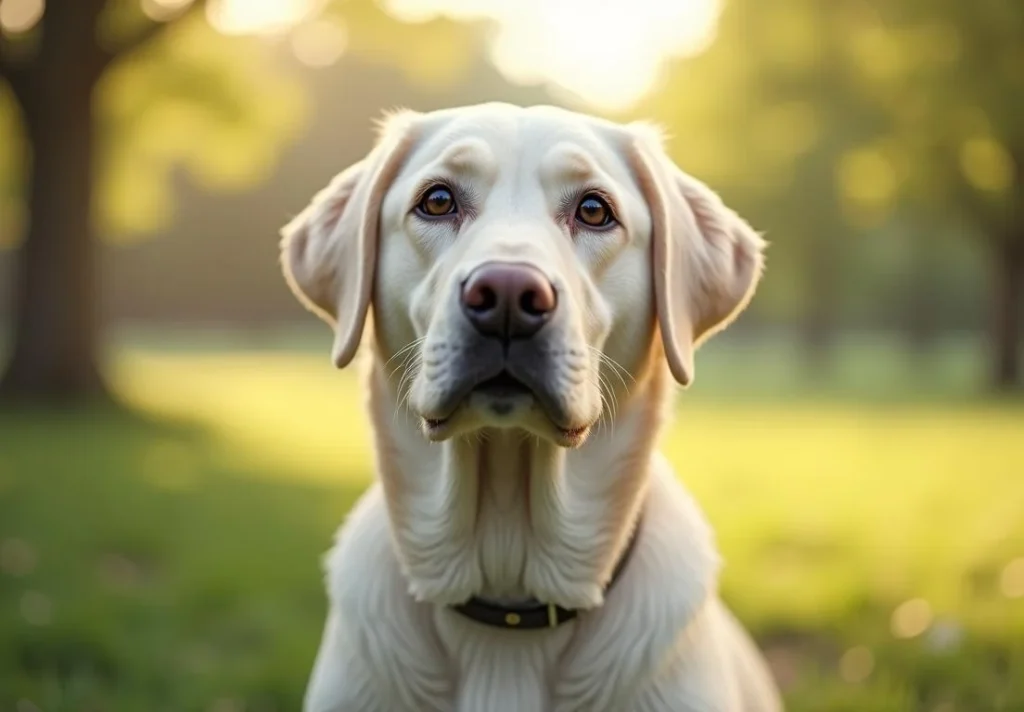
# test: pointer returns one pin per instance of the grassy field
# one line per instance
(170, 561)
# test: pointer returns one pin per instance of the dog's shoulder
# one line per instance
(362, 558)
(661, 598)
(380, 622)
(363, 573)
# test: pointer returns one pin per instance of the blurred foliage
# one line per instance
(860, 134)
(217, 106)
(432, 54)
(12, 165)
(221, 108)
(877, 144)
(949, 76)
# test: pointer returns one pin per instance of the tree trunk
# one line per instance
(55, 327)
(1007, 313)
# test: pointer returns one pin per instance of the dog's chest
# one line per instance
(415, 656)
(495, 670)
(501, 670)
(501, 539)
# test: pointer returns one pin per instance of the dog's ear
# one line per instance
(707, 260)
(329, 250)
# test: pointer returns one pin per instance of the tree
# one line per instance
(836, 119)
(767, 114)
(110, 100)
(957, 124)
(54, 319)
(70, 81)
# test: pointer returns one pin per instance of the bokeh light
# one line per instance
(36, 608)
(911, 618)
(319, 43)
(1012, 579)
(856, 664)
(17, 16)
(269, 17)
(17, 557)
(987, 165)
(164, 10)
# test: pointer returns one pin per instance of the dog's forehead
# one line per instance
(553, 140)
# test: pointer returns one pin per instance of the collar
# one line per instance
(532, 614)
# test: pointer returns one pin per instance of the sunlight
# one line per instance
(164, 10)
(609, 53)
(319, 43)
(17, 16)
(263, 17)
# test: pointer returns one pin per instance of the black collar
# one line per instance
(532, 614)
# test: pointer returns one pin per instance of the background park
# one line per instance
(176, 449)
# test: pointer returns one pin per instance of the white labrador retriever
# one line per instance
(538, 278)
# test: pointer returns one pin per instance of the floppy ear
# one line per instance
(329, 250)
(707, 260)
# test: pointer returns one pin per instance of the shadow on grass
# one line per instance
(140, 569)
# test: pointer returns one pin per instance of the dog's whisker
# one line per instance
(405, 388)
(607, 395)
(607, 412)
(405, 349)
(404, 366)
(407, 354)
(620, 371)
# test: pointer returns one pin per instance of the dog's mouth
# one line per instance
(502, 393)
(504, 385)
(502, 388)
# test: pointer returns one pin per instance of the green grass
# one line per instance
(171, 561)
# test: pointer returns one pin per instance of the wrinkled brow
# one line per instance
(567, 163)
(471, 156)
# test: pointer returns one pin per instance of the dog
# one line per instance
(539, 282)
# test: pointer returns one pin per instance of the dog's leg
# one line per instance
(340, 682)
(379, 650)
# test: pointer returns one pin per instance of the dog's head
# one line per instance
(518, 262)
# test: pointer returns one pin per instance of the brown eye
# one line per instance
(593, 211)
(437, 202)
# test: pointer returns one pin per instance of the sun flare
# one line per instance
(263, 17)
(607, 52)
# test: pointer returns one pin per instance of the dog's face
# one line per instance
(514, 234)
(518, 262)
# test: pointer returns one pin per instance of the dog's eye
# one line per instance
(437, 202)
(593, 211)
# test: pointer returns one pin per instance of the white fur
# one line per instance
(504, 509)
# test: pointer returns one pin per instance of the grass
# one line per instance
(171, 561)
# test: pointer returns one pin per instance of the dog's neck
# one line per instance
(505, 515)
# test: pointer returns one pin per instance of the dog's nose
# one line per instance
(508, 300)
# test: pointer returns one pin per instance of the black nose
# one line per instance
(508, 300)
